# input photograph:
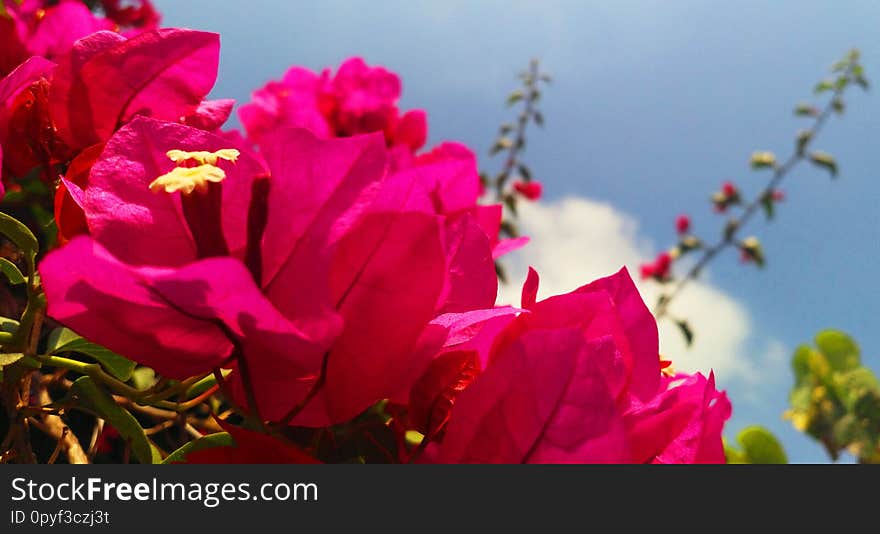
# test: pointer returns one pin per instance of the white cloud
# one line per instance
(576, 240)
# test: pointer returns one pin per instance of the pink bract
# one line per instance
(107, 79)
(293, 269)
(577, 379)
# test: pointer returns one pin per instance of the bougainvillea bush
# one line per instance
(319, 287)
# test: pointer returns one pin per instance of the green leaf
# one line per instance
(220, 439)
(525, 172)
(63, 340)
(93, 399)
(824, 160)
(806, 110)
(761, 447)
(838, 106)
(514, 97)
(204, 384)
(19, 234)
(800, 363)
(8, 325)
(686, 331)
(824, 85)
(839, 349)
(10, 358)
(733, 456)
(11, 272)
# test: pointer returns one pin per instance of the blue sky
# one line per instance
(654, 104)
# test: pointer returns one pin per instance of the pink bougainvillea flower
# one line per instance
(210, 115)
(455, 366)
(577, 379)
(682, 424)
(531, 190)
(106, 80)
(25, 128)
(659, 269)
(286, 267)
(358, 99)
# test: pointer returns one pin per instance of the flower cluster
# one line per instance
(321, 266)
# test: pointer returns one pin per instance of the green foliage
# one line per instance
(19, 234)
(63, 340)
(835, 399)
(90, 397)
(11, 272)
(758, 446)
(825, 161)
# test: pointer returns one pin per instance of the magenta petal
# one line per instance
(526, 405)
(291, 103)
(506, 246)
(640, 327)
(145, 228)
(682, 424)
(471, 282)
(390, 266)
(454, 168)
(62, 25)
(530, 290)
(110, 303)
(463, 327)
(586, 426)
(319, 189)
(489, 219)
(164, 74)
(411, 129)
(211, 114)
(25, 74)
(282, 362)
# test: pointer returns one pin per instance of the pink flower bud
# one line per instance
(682, 224)
(729, 190)
(531, 190)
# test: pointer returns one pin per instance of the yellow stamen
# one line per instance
(202, 156)
(188, 179)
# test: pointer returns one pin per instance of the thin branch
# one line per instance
(735, 225)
